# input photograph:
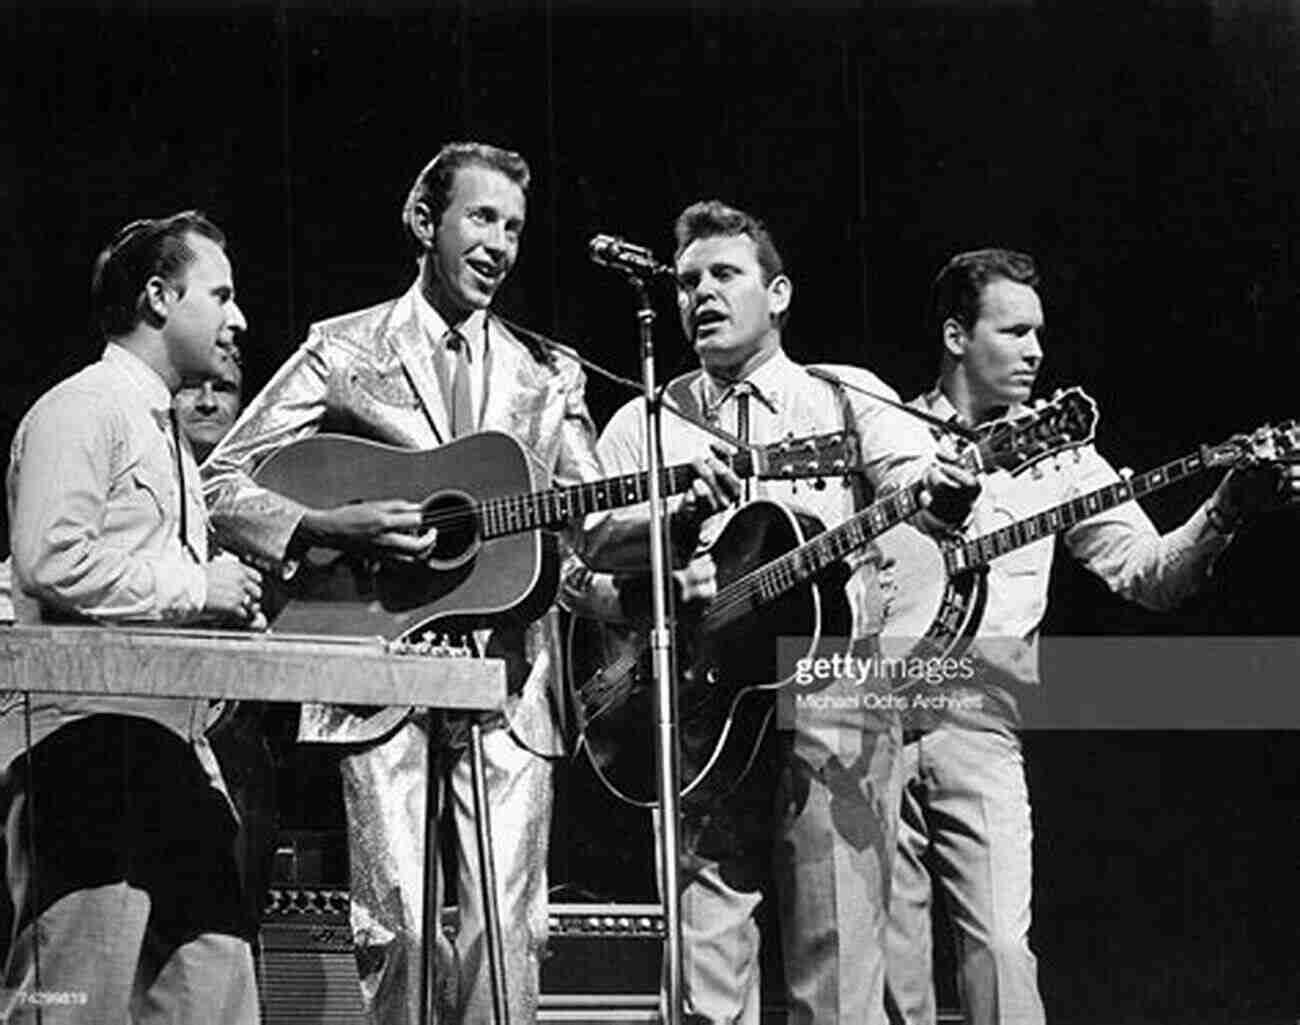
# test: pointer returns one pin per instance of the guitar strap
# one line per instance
(857, 479)
(682, 391)
(874, 613)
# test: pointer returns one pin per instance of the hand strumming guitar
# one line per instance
(388, 527)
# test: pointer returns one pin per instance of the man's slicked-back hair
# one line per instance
(432, 185)
(153, 247)
(957, 290)
(711, 217)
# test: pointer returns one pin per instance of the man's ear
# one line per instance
(780, 290)
(423, 225)
(154, 300)
(955, 338)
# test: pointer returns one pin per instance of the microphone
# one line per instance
(621, 255)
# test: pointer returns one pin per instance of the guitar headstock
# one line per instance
(1271, 444)
(820, 455)
(1069, 419)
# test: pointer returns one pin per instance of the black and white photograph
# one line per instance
(701, 512)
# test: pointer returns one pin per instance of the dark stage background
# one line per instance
(1144, 151)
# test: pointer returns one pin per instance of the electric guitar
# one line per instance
(493, 505)
(942, 584)
(780, 573)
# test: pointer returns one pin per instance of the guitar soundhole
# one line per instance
(456, 517)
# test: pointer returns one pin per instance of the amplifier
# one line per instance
(601, 967)
(306, 972)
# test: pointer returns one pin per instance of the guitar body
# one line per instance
(728, 661)
(472, 580)
(930, 613)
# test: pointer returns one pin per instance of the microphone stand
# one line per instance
(662, 660)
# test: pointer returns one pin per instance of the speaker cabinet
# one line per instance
(601, 967)
(306, 972)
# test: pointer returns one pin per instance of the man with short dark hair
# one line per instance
(119, 832)
(822, 798)
(418, 371)
(965, 807)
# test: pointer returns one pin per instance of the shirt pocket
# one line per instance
(146, 496)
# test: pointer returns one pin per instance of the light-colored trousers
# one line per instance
(829, 838)
(97, 962)
(965, 815)
(384, 797)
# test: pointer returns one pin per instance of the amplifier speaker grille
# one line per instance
(601, 968)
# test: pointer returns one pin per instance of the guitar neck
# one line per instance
(553, 508)
(801, 564)
(980, 550)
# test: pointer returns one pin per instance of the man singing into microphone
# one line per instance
(432, 365)
(823, 796)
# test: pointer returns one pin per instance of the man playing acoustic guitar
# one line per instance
(965, 801)
(418, 371)
(823, 797)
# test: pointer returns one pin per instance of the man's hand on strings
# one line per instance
(698, 581)
(393, 528)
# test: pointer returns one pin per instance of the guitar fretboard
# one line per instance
(980, 550)
(542, 510)
(1010, 446)
(802, 563)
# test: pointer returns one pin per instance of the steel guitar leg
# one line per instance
(491, 910)
(428, 968)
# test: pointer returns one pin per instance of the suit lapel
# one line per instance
(516, 377)
(413, 349)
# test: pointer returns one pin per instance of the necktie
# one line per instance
(462, 396)
(184, 529)
(740, 393)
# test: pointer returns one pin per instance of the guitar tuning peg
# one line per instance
(1126, 473)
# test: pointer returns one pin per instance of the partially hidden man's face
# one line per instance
(727, 311)
(476, 240)
(202, 320)
(207, 409)
(1001, 354)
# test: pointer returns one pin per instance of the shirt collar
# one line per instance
(473, 329)
(764, 381)
(140, 374)
(937, 402)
